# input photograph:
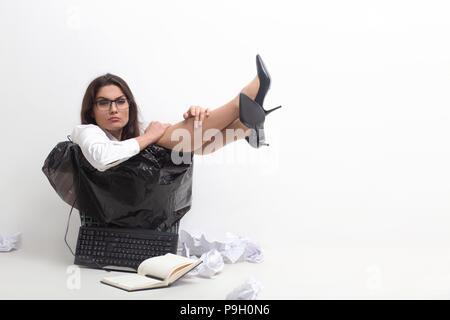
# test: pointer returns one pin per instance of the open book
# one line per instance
(154, 272)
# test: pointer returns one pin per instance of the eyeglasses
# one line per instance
(105, 104)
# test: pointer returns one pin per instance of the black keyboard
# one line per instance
(121, 249)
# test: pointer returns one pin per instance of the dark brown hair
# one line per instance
(131, 129)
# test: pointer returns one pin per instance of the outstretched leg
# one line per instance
(235, 131)
(181, 136)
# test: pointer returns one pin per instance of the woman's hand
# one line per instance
(199, 113)
(156, 129)
(152, 134)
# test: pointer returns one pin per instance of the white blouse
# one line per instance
(101, 148)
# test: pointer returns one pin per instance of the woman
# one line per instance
(111, 132)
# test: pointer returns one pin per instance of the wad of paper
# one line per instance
(215, 253)
(247, 291)
(212, 264)
(11, 242)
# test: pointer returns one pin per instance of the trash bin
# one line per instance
(147, 191)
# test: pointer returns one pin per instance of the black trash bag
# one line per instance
(147, 191)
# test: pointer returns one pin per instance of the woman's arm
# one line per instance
(101, 152)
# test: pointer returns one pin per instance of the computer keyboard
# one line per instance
(121, 249)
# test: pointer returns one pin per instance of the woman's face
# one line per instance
(111, 116)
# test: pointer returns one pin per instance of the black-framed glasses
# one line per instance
(105, 104)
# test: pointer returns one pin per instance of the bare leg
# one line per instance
(219, 119)
(235, 131)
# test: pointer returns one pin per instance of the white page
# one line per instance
(132, 280)
(162, 266)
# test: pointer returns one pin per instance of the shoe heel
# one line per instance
(269, 111)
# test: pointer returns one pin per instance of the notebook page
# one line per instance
(162, 266)
(131, 280)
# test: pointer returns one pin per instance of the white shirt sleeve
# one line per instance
(102, 152)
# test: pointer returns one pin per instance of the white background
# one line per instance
(355, 183)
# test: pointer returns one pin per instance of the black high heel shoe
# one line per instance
(251, 113)
(264, 80)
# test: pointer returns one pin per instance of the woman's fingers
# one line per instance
(198, 113)
(190, 113)
(202, 115)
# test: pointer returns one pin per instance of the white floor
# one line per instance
(309, 273)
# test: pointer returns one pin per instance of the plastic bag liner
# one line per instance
(146, 191)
